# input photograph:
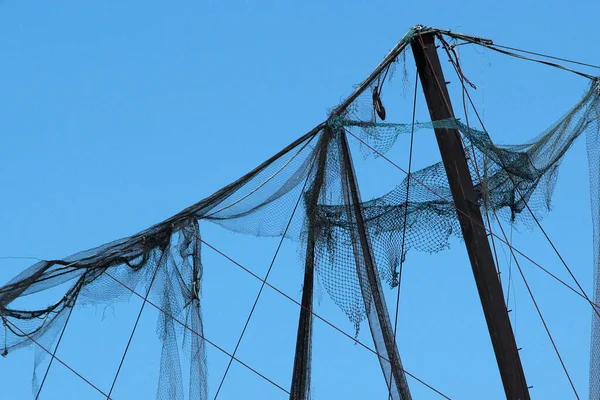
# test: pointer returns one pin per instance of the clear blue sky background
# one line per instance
(114, 115)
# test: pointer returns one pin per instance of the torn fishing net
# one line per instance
(593, 150)
(164, 263)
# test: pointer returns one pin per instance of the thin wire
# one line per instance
(551, 64)
(487, 230)
(137, 320)
(509, 267)
(485, 192)
(72, 306)
(185, 326)
(537, 308)
(458, 72)
(522, 198)
(56, 358)
(504, 241)
(473, 160)
(461, 76)
(267, 180)
(262, 286)
(267, 284)
(62, 270)
(559, 255)
(511, 282)
(410, 155)
(354, 339)
(499, 49)
(20, 258)
(562, 363)
(547, 56)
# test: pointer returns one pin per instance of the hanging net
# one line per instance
(356, 245)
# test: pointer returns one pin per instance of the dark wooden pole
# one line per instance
(469, 216)
(300, 389)
(377, 311)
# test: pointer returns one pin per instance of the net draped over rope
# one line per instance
(165, 260)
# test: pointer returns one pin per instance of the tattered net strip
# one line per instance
(165, 260)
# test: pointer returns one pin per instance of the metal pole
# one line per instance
(469, 216)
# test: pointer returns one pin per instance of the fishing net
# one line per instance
(593, 147)
(354, 246)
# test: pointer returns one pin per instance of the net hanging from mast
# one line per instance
(166, 261)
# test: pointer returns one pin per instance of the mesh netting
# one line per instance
(513, 177)
(357, 245)
(593, 146)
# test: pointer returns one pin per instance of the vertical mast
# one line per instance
(469, 216)
(368, 276)
(300, 389)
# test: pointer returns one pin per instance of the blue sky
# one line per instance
(116, 115)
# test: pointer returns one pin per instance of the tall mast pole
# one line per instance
(368, 276)
(469, 216)
(300, 389)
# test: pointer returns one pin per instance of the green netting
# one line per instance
(165, 260)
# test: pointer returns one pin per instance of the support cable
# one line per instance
(473, 227)
(454, 60)
(538, 223)
(493, 235)
(537, 308)
(410, 155)
(462, 80)
(443, 199)
(71, 306)
(353, 338)
(112, 386)
(533, 53)
(277, 290)
(484, 188)
(453, 57)
(509, 268)
(22, 333)
(511, 283)
(264, 183)
(265, 283)
(264, 280)
(185, 326)
(505, 50)
(539, 312)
